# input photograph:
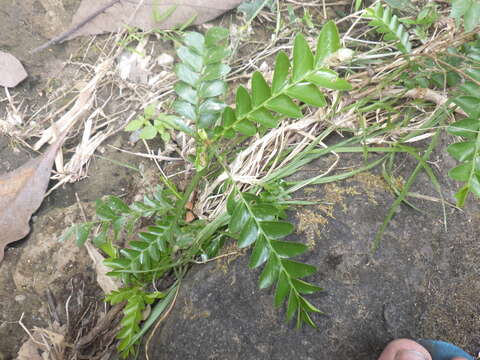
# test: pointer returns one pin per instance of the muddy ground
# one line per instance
(423, 282)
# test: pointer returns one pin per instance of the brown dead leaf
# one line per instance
(107, 283)
(21, 193)
(12, 71)
(142, 14)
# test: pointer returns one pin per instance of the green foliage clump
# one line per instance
(170, 243)
(264, 106)
(467, 151)
(259, 221)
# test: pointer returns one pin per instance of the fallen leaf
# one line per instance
(49, 342)
(12, 71)
(107, 283)
(149, 15)
(22, 192)
(29, 351)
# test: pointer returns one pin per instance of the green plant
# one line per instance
(469, 10)
(257, 220)
(266, 105)
(423, 21)
(467, 151)
(150, 125)
(170, 243)
(386, 23)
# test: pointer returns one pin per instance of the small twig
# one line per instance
(66, 34)
(28, 332)
(101, 326)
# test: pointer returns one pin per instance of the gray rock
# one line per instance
(368, 300)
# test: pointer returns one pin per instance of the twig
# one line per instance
(101, 326)
(66, 34)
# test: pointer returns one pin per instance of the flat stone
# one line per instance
(368, 300)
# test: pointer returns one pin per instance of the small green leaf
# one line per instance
(243, 101)
(328, 42)
(474, 73)
(302, 58)
(284, 105)
(461, 172)
(211, 106)
(276, 229)
(104, 212)
(461, 195)
(239, 218)
(264, 117)
(216, 35)
(280, 75)
(475, 183)
(288, 249)
(304, 317)
(249, 234)
(470, 104)
(462, 151)
(215, 55)
(283, 288)
(190, 58)
(467, 128)
(309, 307)
(264, 212)
(307, 93)
(245, 127)
(297, 269)
(135, 124)
(292, 305)
(208, 119)
(228, 117)
(305, 288)
(471, 88)
(328, 79)
(184, 109)
(260, 253)
(472, 17)
(212, 89)
(269, 273)
(216, 71)
(195, 41)
(186, 92)
(67, 234)
(176, 123)
(117, 204)
(260, 89)
(186, 74)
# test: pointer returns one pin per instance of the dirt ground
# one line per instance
(423, 282)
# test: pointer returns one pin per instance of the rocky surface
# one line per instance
(422, 282)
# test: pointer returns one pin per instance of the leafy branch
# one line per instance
(266, 105)
(255, 221)
(467, 152)
(385, 22)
